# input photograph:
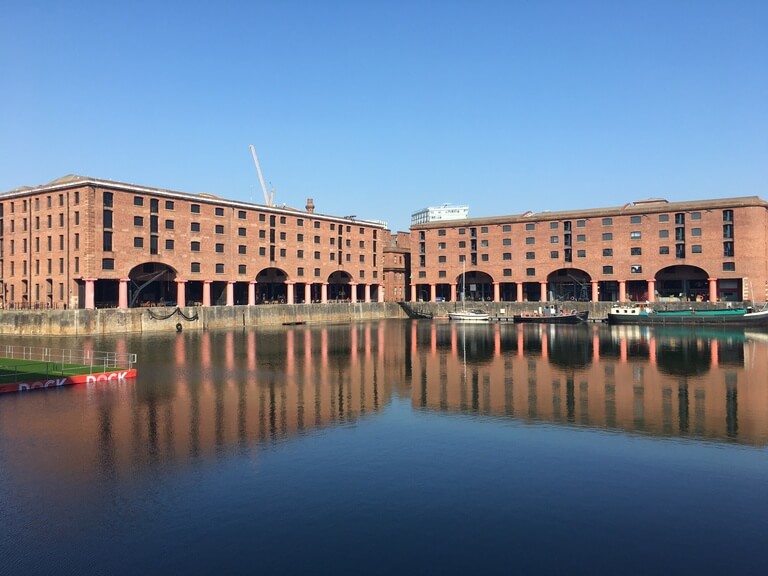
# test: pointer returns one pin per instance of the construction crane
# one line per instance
(268, 197)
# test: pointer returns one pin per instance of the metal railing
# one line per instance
(96, 361)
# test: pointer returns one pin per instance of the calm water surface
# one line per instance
(396, 448)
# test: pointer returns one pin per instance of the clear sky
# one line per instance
(380, 108)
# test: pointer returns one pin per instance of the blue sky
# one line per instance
(380, 108)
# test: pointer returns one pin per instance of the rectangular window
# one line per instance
(108, 199)
(507, 242)
(554, 255)
(194, 267)
(581, 253)
(727, 215)
(530, 255)
(607, 252)
(138, 201)
(607, 270)
(194, 246)
(607, 221)
(530, 240)
(581, 238)
(663, 233)
(241, 249)
(727, 230)
(506, 256)
(680, 218)
(169, 204)
(663, 250)
(635, 235)
(220, 248)
(530, 226)
(107, 237)
(696, 249)
(483, 244)
(194, 208)
(695, 215)
(553, 225)
(138, 221)
(635, 219)
(636, 269)
(506, 228)
(169, 224)
(138, 242)
(530, 271)
(241, 231)
(695, 231)
(663, 217)
(107, 263)
(169, 244)
(219, 228)
(219, 268)
(581, 223)
(729, 266)
(636, 251)
(728, 249)
(554, 239)
(607, 236)
(219, 212)
(195, 226)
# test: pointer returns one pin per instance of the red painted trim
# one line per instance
(116, 377)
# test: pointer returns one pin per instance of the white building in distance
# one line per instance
(436, 213)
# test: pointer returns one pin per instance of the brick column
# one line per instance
(324, 293)
(432, 292)
(453, 291)
(367, 292)
(595, 291)
(206, 292)
(622, 290)
(413, 292)
(252, 293)
(713, 289)
(353, 292)
(519, 291)
(543, 291)
(230, 292)
(496, 292)
(308, 293)
(652, 290)
(380, 292)
(90, 303)
(122, 297)
(181, 294)
(290, 289)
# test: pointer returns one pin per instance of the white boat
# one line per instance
(465, 315)
(469, 316)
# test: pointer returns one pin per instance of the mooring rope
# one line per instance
(178, 311)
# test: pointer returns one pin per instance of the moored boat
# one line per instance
(552, 315)
(644, 314)
(469, 316)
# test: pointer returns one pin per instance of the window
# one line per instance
(553, 225)
(241, 269)
(441, 245)
(195, 267)
(194, 246)
(300, 254)
(441, 259)
(107, 263)
(663, 250)
(695, 231)
(679, 218)
(581, 223)
(219, 212)
(299, 271)
(220, 248)
(679, 250)
(169, 204)
(282, 219)
(462, 244)
(663, 233)
(507, 242)
(530, 240)
(138, 242)
(138, 201)
(317, 256)
(554, 239)
(169, 244)
(636, 269)
(530, 226)
(300, 222)
(263, 234)
(727, 215)
(607, 221)
(507, 272)
(636, 251)
(169, 224)
(728, 249)
(441, 232)
(108, 200)
(241, 249)
(283, 236)
(727, 230)
(219, 228)
(262, 251)
(530, 255)
(607, 236)
(581, 253)
(607, 252)
(484, 257)
(581, 238)
(696, 249)
(138, 221)
(299, 237)
(241, 231)
(530, 271)
(607, 270)
(107, 219)
(316, 224)
(729, 266)
(506, 256)
(635, 219)
(194, 208)
(635, 235)
(695, 215)
(484, 230)
(663, 217)
(77, 219)
(554, 255)
(195, 226)
(107, 237)
(506, 228)
(219, 268)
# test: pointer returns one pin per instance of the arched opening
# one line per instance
(270, 286)
(338, 286)
(682, 284)
(570, 284)
(151, 284)
(474, 285)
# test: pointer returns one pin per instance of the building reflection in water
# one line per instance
(199, 395)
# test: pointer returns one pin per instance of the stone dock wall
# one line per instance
(112, 320)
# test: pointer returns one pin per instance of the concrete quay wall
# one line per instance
(112, 320)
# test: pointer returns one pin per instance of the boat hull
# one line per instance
(469, 316)
(576, 318)
(692, 318)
